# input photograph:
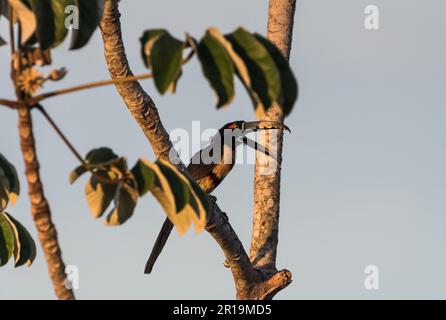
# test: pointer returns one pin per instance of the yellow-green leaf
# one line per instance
(144, 177)
(189, 207)
(24, 245)
(125, 202)
(9, 171)
(6, 240)
(59, 15)
(99, 196)
(76, 173)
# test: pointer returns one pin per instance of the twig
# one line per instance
(35, 100)
(61, 135)
(9, 103)
(76, 153)
(11, 31)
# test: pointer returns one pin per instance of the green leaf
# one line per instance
(264, 75)
(144, 176)
(179, 188)
(99, 196)
(76, 173)
(45, 22)
(290, 87)
(166, 56)
(60, 30)
(11, 174)
(24, 245)
(217, 67)
(4, 194)
(147, 40)
(241, 71)
(192, 211)
(125, 202)
(89, 17)
(6, 240)
(103, 158)
(100, 155)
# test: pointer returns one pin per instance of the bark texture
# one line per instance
(139, 103)
(40, 209)
(249, 282)
(265, 230)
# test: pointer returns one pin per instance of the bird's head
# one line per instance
(245, 127)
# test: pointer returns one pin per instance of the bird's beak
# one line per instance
(264, 125)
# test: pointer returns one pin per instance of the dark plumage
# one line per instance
(209, 174)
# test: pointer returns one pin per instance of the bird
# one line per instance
(210, 166)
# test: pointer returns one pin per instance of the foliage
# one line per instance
(15, 240)
(257, 62)
(113, 184)
(44, 21)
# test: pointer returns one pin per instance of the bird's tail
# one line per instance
(159, 245)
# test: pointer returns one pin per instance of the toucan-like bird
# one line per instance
(209, 169)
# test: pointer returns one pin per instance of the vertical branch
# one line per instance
(40, 209)
(267, 186)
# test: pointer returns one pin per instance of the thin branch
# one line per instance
(86, 86)
(92, 169)
(11, 31)
(9, 103)
(97, 84)
(61, 135)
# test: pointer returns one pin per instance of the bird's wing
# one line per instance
(197, 168)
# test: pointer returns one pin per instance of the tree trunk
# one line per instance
(40, 209)
(267, 184)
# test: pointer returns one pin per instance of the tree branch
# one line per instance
(40, 209)
(250, 283)
(9, 103)
(35, 100)
(267, 186)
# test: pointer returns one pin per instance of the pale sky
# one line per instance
(364, 174)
